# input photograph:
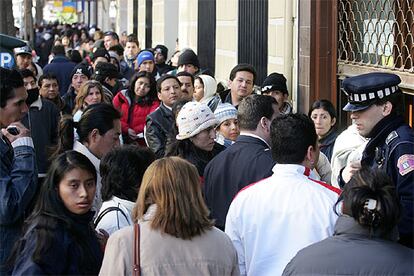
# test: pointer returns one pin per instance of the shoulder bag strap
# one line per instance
(136, 270)
(106, 211)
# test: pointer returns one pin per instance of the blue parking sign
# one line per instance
(6, 60)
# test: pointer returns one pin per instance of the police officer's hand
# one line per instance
(350, 170)
(22, 131)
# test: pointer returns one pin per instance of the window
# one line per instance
(377, 33)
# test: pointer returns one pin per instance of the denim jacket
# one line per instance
(18, 185)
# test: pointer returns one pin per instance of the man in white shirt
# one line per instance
(271, 220)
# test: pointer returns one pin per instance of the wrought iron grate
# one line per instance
(377, 33)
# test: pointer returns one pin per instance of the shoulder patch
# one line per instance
(405, 164)
(391, 136)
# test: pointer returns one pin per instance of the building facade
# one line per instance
(314, 43)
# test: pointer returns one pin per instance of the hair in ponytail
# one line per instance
(99, 116)
(66, 136)
(370, 198)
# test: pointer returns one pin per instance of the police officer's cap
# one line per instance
(364, 90)
(26, 50)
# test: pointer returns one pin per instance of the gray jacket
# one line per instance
(350, 251)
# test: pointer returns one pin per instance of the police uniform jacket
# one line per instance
(392, 148)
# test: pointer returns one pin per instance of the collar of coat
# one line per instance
(347, 225)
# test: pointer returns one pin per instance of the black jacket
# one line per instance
(350, 251)
(196, 156)
(327, 143)
(43, 125)
(164, 68)
(158, 125)
(246, 161)
(64, 255)
(69, 101)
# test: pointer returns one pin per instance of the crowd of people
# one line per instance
(118, 161)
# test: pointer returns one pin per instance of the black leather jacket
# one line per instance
(158, 125)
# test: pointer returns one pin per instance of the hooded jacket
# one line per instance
(210, 87)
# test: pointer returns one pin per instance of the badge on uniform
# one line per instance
(405, 164)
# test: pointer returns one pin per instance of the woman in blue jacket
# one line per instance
(58, 236)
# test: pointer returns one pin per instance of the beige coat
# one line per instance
(212, 253)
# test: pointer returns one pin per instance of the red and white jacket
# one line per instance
(271, 220)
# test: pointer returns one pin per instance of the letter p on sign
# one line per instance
(6, 60)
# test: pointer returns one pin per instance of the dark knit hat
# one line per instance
(81, 68)
(101, 52)
(188, 57)
(106, 70)
(163, 50)
(273, 82)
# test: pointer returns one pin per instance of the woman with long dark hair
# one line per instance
(58, 237)
(135, 103)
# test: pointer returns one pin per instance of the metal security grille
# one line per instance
(252, 35)
(377, 33)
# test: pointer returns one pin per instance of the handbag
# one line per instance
(136, 269)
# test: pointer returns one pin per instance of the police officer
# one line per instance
(376, 106)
